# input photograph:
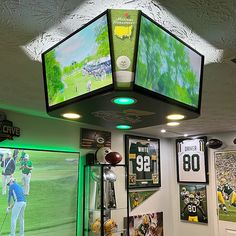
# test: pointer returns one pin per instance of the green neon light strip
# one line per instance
(36, 147)
(80, 196)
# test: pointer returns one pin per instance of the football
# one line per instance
(101, 154)
(214, 143)
(113, 158)
(234, 141)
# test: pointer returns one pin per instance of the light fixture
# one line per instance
(124, 100)
(173, 123)
(163, 131)
(72, 116)
(175, 117)
(123, 126)
(185, 135)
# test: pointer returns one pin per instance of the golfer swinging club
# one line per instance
(18, 207)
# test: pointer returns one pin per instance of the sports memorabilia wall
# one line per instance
(143, 161)
(146, 225)
(225, 166)
(49, 181)
(137, 198)
(94, 139)
(192, 160)
(193, 203)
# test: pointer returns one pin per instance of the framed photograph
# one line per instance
(225, 166)
(192, 160)
(150, 224)
(143, 160)
(193, 203)
(94, 139)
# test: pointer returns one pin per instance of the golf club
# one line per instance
(3, 223)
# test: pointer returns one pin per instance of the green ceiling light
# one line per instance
(72, 116)
(124, 101)
(123, 126)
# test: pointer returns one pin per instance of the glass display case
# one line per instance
(105, 200)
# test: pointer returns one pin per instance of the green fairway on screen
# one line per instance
(51, 205)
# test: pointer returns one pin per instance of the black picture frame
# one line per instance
(143, 170)
(192, 160)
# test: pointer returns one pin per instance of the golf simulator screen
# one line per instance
(166, 66)
(80, 65)
(49, 182)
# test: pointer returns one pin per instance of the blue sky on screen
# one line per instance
(80, 45)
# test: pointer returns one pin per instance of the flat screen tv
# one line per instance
(80, 65)
(51, 196)
(167, 67)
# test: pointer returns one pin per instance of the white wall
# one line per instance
(57, 134)
(43, 133)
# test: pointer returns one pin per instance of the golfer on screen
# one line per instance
(26, 167)
(8, 167)
(18, 207)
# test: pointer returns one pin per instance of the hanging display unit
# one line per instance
(123, 54)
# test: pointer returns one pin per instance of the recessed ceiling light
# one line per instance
(123, 126)
(175, 117)
(72, 116)
(124, 100)
(173, 123)
(163, 131)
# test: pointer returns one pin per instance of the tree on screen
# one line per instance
(53, 75)
(102, 40)
(164, 65)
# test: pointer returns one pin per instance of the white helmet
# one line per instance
(101, 154)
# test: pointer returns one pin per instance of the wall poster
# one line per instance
(225, 168)
(143, 160)
(192, 160)
(94, 139)
(193, 203)
(146, 225)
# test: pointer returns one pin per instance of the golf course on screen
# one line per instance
(52, 201)
(80, 64)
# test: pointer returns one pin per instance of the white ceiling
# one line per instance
(29, 27)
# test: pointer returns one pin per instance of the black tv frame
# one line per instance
(107, 88)
(158, 95)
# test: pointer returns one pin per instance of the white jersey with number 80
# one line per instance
(191, 160)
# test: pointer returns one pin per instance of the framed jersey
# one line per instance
(143, 161)
(192, 160)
